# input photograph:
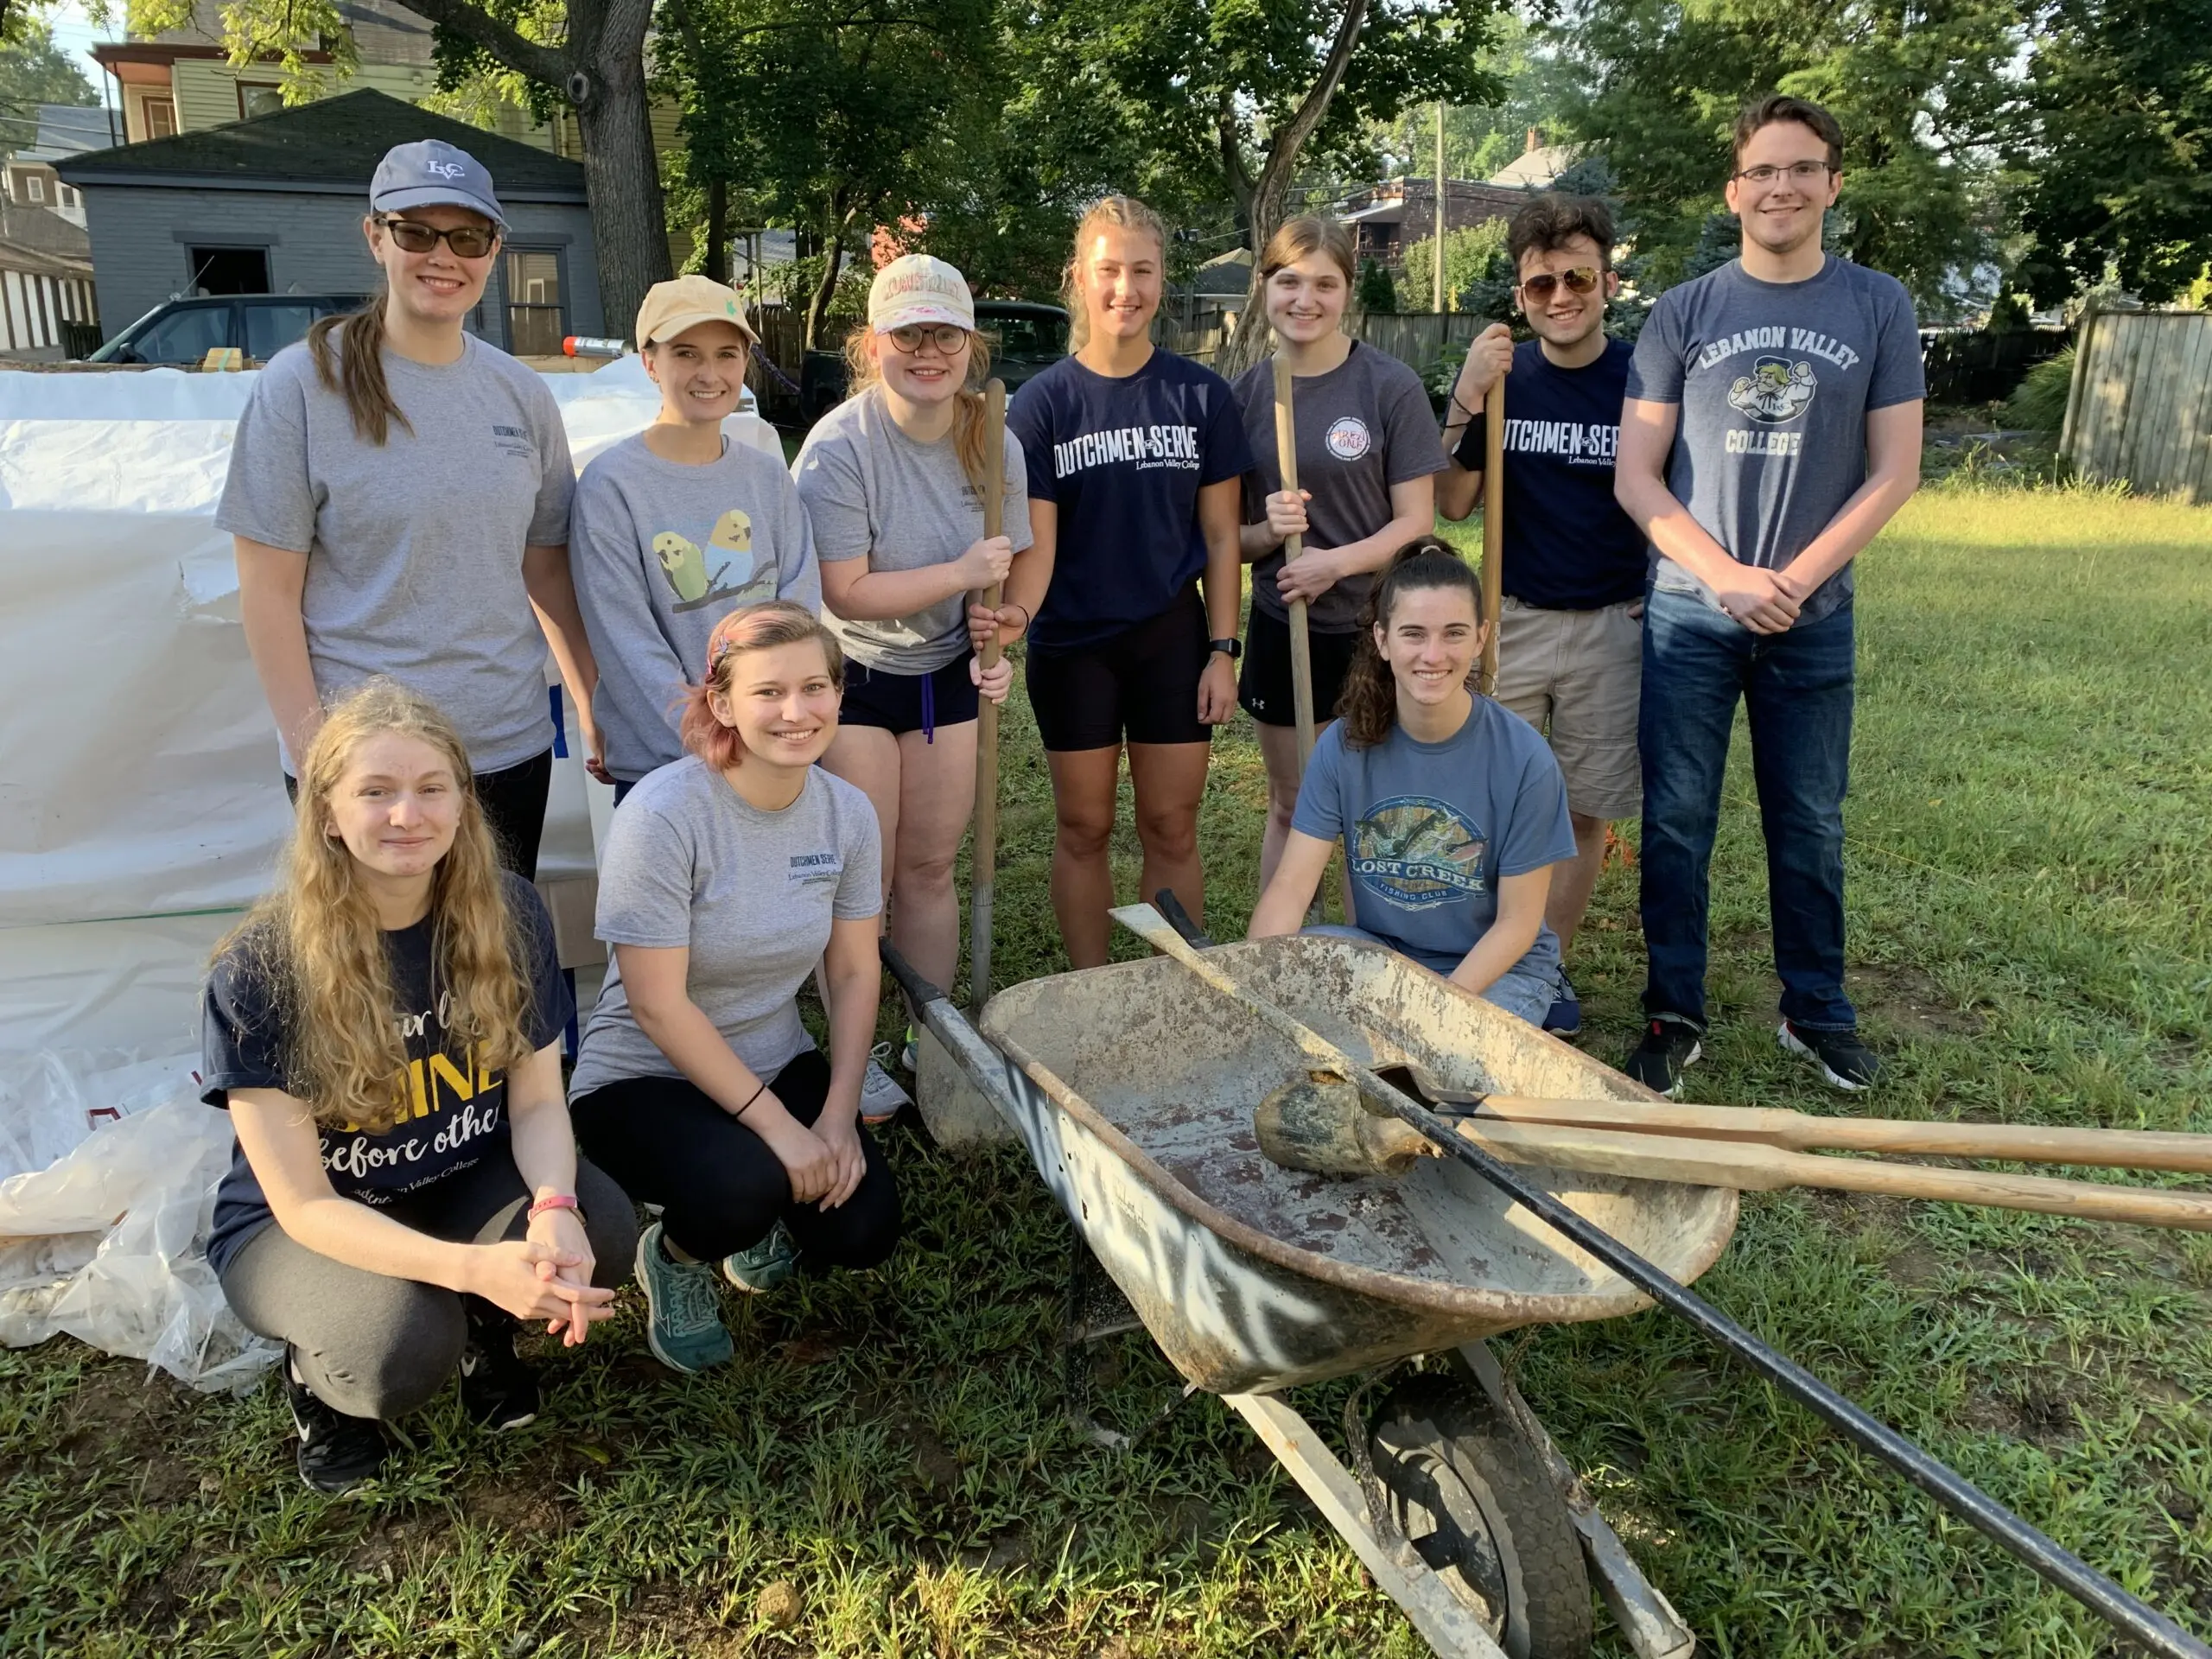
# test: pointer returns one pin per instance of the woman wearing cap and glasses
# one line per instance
(894, 479)
(676, 527)
(399, 496)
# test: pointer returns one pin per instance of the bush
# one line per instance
(2039, 401)
(1376, 293)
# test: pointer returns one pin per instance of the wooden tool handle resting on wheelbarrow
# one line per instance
(1324, 1126)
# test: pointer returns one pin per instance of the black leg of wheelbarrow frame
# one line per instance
(2128, 1614)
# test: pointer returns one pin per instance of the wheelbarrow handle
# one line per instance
(2149, 1627)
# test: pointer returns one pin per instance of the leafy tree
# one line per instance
(2117, 139)
(35, 71)
(1921, 86)
(1468, 255)
(589, 53)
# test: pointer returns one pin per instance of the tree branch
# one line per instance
(546, 64)
(1287, 140)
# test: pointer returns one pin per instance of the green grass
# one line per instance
(2032, 940)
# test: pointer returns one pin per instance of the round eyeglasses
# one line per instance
(945, 336)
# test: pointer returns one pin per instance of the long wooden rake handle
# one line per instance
(1301, 646)
(983, 871)
(2025, 1143)
(1493, 527)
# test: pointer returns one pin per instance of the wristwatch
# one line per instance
(1231, 647)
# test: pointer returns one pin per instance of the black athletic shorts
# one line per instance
(1263, 689)
(909, 702)
(1141, 684)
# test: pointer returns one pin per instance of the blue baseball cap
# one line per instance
(431, 173)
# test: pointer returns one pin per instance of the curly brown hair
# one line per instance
(1368, 706)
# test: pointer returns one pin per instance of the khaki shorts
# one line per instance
(1574, 675)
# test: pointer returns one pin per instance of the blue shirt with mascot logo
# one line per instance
(1430, 829)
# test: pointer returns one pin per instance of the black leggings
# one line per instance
(513, 799)
(720, 1187)
(373, 1345)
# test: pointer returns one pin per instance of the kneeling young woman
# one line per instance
(1451, 810)
(384, 1029)
(726, 877)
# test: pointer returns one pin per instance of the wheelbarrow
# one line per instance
(1133, 1086)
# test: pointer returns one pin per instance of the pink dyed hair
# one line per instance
(750, 627)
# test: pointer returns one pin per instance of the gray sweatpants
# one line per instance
(372, 1346)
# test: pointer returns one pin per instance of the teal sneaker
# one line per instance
(765, 1266)
(685, 1326)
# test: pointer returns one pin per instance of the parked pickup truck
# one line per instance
(1025, 338)
(180, 332)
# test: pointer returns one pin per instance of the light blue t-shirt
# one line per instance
(1430, 829)
(1775, 381)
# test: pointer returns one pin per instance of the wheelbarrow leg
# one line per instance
(1646, 1617)
(1451, 1630)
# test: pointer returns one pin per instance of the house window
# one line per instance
(66, 195)
(536, 319)
(229, 270)
(259, 97)
(34, 188)
(160, 115)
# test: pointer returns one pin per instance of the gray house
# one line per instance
(274, 204)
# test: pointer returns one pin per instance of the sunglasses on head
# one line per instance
(467, 241)
(1581, 280)
(946, 337)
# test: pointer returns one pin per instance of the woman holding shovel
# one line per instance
(1451, 810)
(894, 479)
(1366, 454)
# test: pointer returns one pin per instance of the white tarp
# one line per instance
(141, 809)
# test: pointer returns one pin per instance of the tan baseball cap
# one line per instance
(916, 289)
(670, 307)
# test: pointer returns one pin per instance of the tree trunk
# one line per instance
(817, 304)
(1272, 189)
(717, 265)
(629, 220)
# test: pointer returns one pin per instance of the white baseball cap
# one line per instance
(916, 289)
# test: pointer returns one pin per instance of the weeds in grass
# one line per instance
(2031, 916)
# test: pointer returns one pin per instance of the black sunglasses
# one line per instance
(467, 241)
(1581, 280)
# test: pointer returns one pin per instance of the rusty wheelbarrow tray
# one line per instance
(1132, 1087)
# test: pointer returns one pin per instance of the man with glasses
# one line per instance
(1569, 640)
(1772, 427)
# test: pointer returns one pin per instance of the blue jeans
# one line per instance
(1796, 687)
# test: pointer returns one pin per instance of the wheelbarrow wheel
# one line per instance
(1476, 1502)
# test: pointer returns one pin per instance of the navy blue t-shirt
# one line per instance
(1123, 460)
(457, 1117)
(1569, 546)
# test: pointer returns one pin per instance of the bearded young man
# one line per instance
(1772, 427)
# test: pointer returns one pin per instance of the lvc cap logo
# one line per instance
(1349, 439)
(445, 169)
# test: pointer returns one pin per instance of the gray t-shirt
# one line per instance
(1775, 381)
(1363, 427)
(415, 550)
(661, 552)
(752, 893)
(1430, 829)
(874, 493)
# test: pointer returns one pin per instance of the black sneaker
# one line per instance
(1847, 1062)
(497, 1390)
(337, 1452)
(1670, 1047)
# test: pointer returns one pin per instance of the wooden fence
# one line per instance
(1415, 339)
(2140, 406)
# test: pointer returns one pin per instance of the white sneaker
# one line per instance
(881, 1098)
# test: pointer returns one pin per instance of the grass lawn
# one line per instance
(2031, 941)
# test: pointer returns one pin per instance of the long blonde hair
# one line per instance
(1129, 214)
(864, 369)
(316, 939)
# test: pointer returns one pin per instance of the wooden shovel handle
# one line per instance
(1750, 1166)
(1301, 648)
(1801, 1132)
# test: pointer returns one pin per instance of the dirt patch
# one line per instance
(526, 1512)
(121, 1417)
(1909, 1001)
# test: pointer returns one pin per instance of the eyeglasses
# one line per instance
(946, 337)
(1799, 172)
(1581, 280)
(466, 241)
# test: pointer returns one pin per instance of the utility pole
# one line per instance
(1437, 288)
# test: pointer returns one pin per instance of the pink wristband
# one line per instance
(552, 1201)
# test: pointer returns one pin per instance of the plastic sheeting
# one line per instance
(141, 810)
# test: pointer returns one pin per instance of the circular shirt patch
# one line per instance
(1348, 440)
